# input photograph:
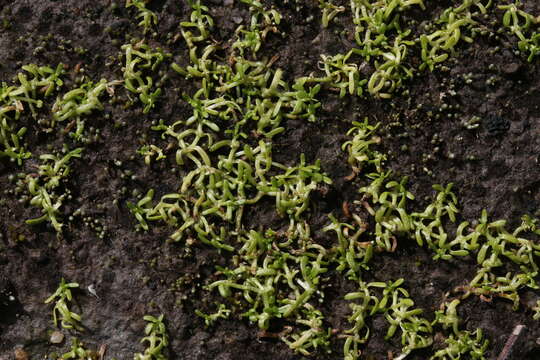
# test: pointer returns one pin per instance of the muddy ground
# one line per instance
(140, 273)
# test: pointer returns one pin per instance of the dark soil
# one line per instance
(496, 167)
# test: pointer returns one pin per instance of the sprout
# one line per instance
(81, 101)
(148, 18)
(519, 22)
(536, 310)
(156, 337)
(34, 82)
(329, 11)
(42, 187)
(79, 352)
(209, 319)
(313, 337)
(62, 295)
(437, 45)
(141, 57)
(471, 344)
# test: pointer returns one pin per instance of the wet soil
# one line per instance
(496, 167)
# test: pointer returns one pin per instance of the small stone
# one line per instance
(511, 68)
(20, 354)
(228, 2)
(56, 337)
(237, 19)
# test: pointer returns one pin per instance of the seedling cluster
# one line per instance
(140, 57)
(43, 186)
(35, 83)
(524, 26)
(156, 338)
(276, 274)
(222, 152)
(148, 17)
(155, 330)
(62, 297)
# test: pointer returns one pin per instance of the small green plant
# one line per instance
(140, 208)
(519, 23)
(351, 253)
(43, 187)
(437, 45)
(61, 312)
(363, 304)
(536, 310)
(391, 71)
(151, 152)
(34, 83)
(329, 11)
(460, 343)
(209, 319)
(313, 335)
(200, 20)
(148, 17)
(341, 74)
(81, 101)
(415, 330)
(138, 59)
(464, 345)
(156, 339)
(359, 147)
(78, 352)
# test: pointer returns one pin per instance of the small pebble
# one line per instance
(57, 337)
(20, 354)
(512, 68)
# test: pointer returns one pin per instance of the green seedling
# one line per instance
(43, 187)
(151, 152)
(138, 59)
(313, 337)
(140, 208)
(362, 303)
(156, 339)
(62, 297)
(536, 310)
(466, 345)
(519, 23)
(82, 101)
(78, 352)
(200, 20)
(470, 345)
(341, 74)
(148, 17)
(437, 46)
(209, 319)
(34, 83)
(329, 11)
(352, 254)
(359, 149)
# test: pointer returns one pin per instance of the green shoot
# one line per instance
(43, 187)
(156, 339)
(62, 297)
(78, 352)
(209, 319)
(148, 18)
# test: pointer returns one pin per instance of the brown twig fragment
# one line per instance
(102, 351)
(507, 350)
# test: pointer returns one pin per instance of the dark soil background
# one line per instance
(496, 168)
